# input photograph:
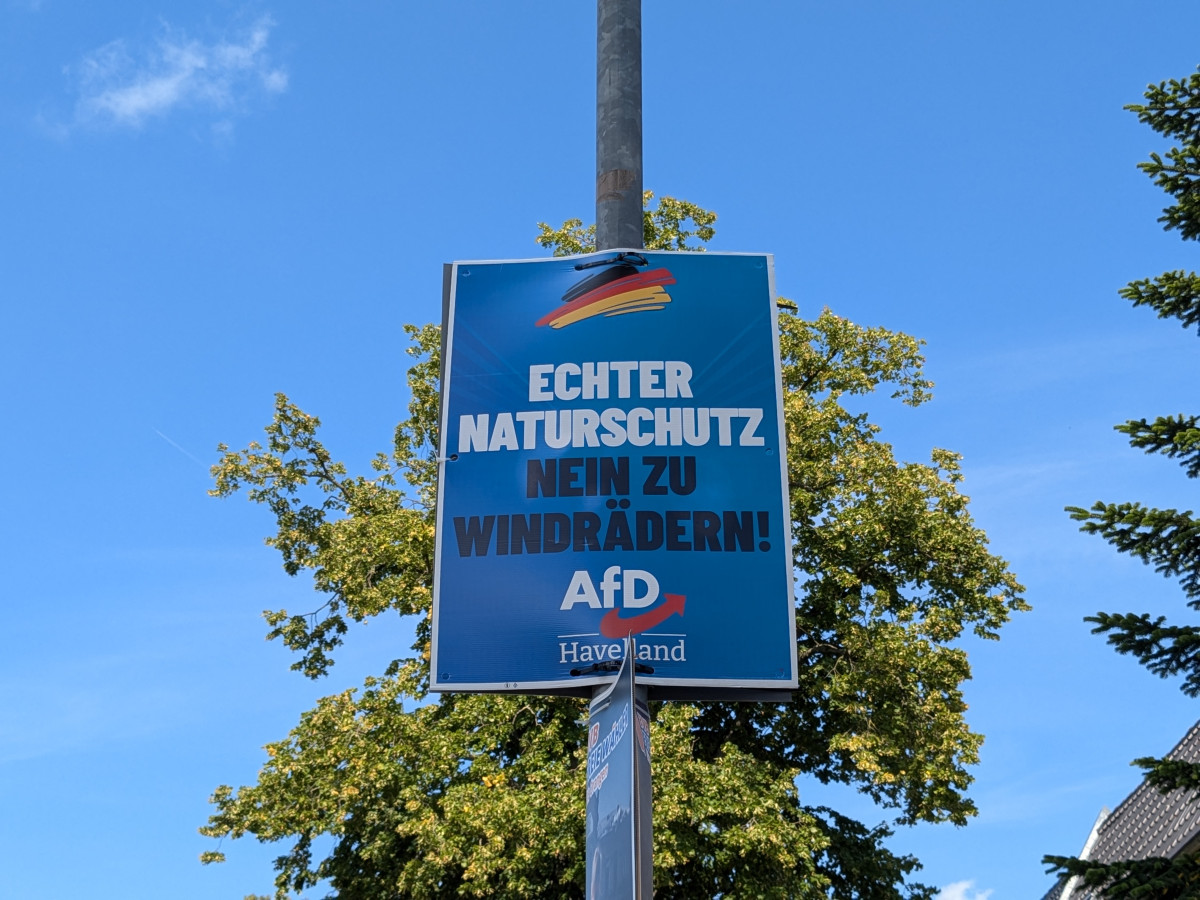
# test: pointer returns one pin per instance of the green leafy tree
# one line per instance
(1167, 539)
(482, 795)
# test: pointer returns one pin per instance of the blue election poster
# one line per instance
(611, 463)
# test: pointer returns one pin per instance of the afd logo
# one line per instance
(635, 589)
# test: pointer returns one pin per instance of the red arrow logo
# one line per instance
(613, 626)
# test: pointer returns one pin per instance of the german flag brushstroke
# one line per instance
(614, 292)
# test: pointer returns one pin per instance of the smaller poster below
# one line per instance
(614, 727)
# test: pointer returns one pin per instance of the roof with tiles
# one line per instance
(1146, 824)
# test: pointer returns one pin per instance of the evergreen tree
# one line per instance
(1167, 539)
(482, 795)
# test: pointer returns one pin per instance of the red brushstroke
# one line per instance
(613, 626)
(620, 286)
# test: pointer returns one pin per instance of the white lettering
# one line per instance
(561, 391)
(583, 428)
(695, 426)
(614, 430)
(749, 438)
(472, 433)
(623, 370)
(679, 376)
(558, 428)
(724, 415)
(633, 423)
(528, 420)
(539, 382)
(505, 435)
(595, 381)
(659, 426)
(629, 583)
(572, 652)
(658, 652)
(609, 586)
(581, 590)
(668, 426)
(648, 380)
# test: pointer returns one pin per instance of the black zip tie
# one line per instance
(636, 258)
(612, 666)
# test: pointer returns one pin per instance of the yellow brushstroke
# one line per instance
(629, 301)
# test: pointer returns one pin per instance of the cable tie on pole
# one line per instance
(635, 258)
(612, 666)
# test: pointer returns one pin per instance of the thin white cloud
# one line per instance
(124, 85)
(962, 890)
(186, 453)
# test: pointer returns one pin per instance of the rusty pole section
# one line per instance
(618, 124)
(619, 225)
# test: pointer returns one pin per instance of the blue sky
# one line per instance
(204, 203)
